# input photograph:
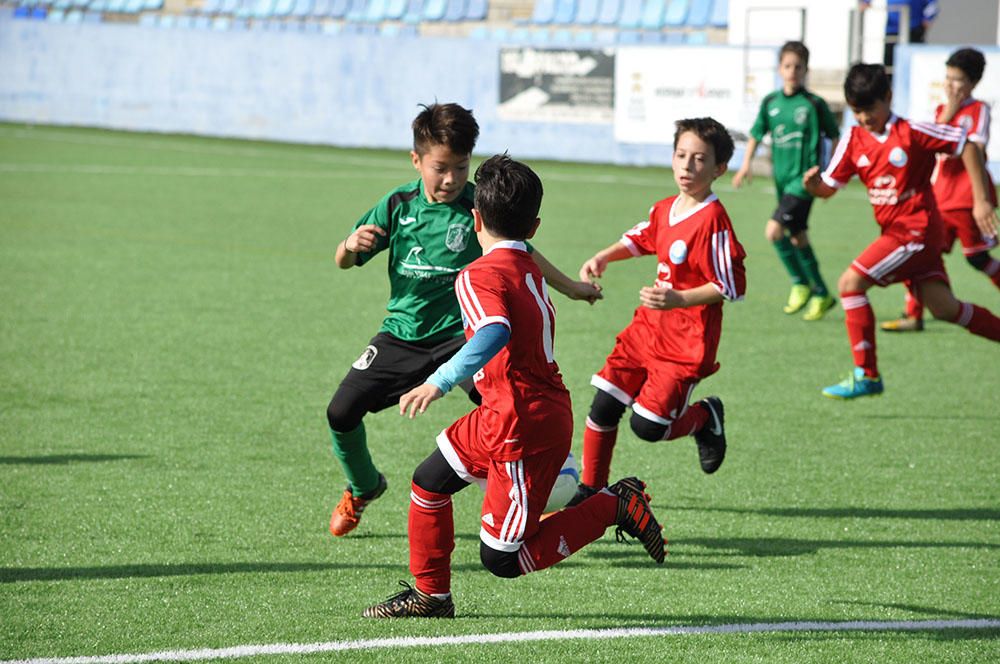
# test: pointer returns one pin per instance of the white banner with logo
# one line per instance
(556, 85)
(655, 86)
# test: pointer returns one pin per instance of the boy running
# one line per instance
(427, 226)
(798, 121)
(671, 343)
(514, 444)
(952, 188)
(894, 158)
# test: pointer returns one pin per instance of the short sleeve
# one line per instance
(841, 167)
(378, 216)
(980, 131)
(760, 127)
(641, 238)
(481, 298)
(725, 267)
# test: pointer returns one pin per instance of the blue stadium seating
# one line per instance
(651, 37)
(434, 10)
(228, 6)
(631, 14)
(74, 16)
(676, 14)
(56, 15)
(454, 11)
(375, 11)
(414, 11)
(544, 12)
(673, 38)
(699, 13)
(283, 7)
(610, 11)
(221, 23)
(651, 17)
(356, 10)
(587, 11)
(562, 37)
(697, 37)
(629, 37)
(477, 10)
(153, 5)
(394, 9)
(302, 8)
(263, 8)
(336, 8)
(565, 12)
(583, 37)
(720, 14)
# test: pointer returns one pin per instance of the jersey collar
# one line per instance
(674, 220)
(884, 136)
(509, 244)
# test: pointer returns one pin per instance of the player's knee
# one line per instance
(605, 410)
(851, 282)
(648, 430)
(343, 415)
(500, 563)
(979, 261)
(800, 240)
(436, 475)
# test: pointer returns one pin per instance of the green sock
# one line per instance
(807, 259)
(351, 449)
(790, 259)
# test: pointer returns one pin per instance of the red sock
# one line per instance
(992, 271)
(914, 309)
(568, 531)
(979, 321)
(692, 420)
(598, 446)
(431, 531)
(860, 321)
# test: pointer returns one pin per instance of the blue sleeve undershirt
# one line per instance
(473, 356)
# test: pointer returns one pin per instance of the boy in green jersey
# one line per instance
(427, 228)
(797, 121)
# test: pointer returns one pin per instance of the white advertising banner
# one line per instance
(926, 89)
(655, 86)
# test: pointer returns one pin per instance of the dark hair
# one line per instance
(449, 125)
(712, 132)
(508, 196)
(865, 85)
(970, 61)
(796, 47)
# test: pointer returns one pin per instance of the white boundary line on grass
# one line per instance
(513, 637)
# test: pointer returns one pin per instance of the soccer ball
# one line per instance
(565, 487)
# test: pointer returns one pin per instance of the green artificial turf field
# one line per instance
(173, 326)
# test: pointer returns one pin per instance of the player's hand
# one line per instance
(416, 400)
(740, 176)
(986, 218)
(584, 290)
(811, 180)
(593, 268)
(655, 297)
(363, 239)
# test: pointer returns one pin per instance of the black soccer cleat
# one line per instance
(711, 438)
(583, 491)
(636, 518)
(411, 603)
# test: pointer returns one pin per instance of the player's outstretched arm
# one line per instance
(814, 184)
(982, 209)
(595, 266)
(362, 240)
(574, 290)
(744, 174)
(655, 297)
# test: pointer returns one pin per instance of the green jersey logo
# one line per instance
(457, 238)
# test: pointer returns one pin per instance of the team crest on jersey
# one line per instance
(457, 238)
(801, 114)
(898, 157)
(663, 276)
(965, 123)
(678, 252)
(366, 358)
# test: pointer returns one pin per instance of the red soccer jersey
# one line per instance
(693, 249)
(952, 187)
(896, 167)
(524, 398)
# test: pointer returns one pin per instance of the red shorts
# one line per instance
(516, 491)
(895, 257)
(959, 224)
(658, 391)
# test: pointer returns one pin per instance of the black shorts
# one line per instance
(390, 367)
(793, 213)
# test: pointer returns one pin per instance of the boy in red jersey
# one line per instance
(894, 158)
(952, 189)
(514, 444)
(671, 343)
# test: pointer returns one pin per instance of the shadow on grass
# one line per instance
(63, 459)
(960, 514)
(764, 547)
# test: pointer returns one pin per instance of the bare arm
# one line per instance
(596, 265)
(668, 298)
(362, 240)
(814, 184)
(982, 208)
(744, 172)
(574, 290)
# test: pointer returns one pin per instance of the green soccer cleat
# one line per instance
(817, 307)
(854, 386)
(797, 298)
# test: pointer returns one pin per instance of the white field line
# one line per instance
(513, 637)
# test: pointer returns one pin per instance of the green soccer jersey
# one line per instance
(428, 244)
(797, 124)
